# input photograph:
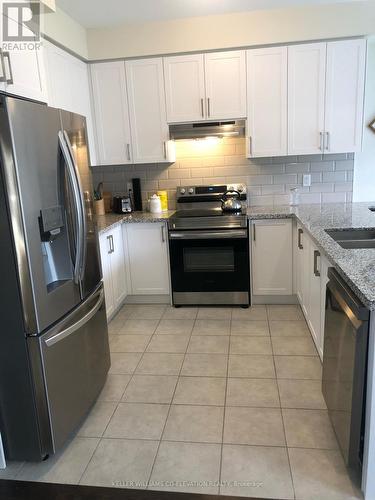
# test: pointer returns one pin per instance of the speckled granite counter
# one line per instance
(356, 266)
(106, 221)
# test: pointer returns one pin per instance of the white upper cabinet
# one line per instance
(225, 85)
(24, 70)
(205, 86)
(267, 102)
(147, 111)
(306, 90)
(69, 87)
(346, 62)
(111, 113)
(184, 88)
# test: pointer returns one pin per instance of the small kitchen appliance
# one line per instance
(122, 204)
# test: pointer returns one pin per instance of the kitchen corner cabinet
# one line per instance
(148, 258)
(147, 111)
(267, 102)
(208, 86)
(345, 83)
(111, 113)
(113, 268)
(272, 257)
(24, 72)
(326, 83)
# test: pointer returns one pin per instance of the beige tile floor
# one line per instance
(212, 400)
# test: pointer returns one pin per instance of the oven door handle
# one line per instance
(208, 235)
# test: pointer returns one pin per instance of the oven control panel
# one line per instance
(188, 191)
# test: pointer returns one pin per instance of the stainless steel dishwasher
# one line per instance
(345, 369)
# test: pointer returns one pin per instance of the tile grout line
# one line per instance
(170, 407)
(281, 409)
(117, 405)
(225, 406)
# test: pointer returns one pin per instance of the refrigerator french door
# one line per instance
(54, 353)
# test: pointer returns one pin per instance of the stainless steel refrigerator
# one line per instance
(54, 353)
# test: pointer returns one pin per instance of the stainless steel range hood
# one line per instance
(201, 130)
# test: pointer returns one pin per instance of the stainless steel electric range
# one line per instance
(209, 248)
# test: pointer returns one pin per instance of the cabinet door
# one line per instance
(267, 101)
(306, 87)
(105, 255)
(118, 266)
(148, 119)
(69, 88)
(111, 113)
(299, 258)
(148, 259)
(346, 62)
(272, 257)
(184, 88)
(226, 84)
(24, 69)
(314, 312)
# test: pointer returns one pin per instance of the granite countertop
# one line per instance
(356, 266)
(106, 221)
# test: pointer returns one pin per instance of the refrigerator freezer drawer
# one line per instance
(75, 357)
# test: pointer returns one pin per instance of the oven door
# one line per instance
(210, 267)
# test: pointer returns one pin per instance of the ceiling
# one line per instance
(105, 13)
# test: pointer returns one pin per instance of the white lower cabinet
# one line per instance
(148, 258)
(113, 267)
(311, 279)
(272, 257)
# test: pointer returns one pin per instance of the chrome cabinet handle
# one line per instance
(321, 146)
(128, 151)
(328, 141)
(9, 80)
(110, 248)
(208, 107)
(300, 233)
(112, 244)
(254, 232)
(250, 145)
(162, 234)
(2, 62)
(316, 255)
(202, 107)
(165, 149)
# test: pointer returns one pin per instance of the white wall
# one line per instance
(64, 30)
(233, 30)
(364, 171)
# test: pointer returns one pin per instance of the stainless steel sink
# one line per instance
(353, 238)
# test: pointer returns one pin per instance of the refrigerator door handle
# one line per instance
(73, 328)
(82, 211)
(75, 188)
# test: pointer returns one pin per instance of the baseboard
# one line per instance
(148, 299)
(274, 299)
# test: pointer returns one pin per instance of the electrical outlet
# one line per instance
(129, 186)
(306, 180)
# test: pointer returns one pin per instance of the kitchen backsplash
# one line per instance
(269, 180)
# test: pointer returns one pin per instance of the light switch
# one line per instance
(306, 180)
